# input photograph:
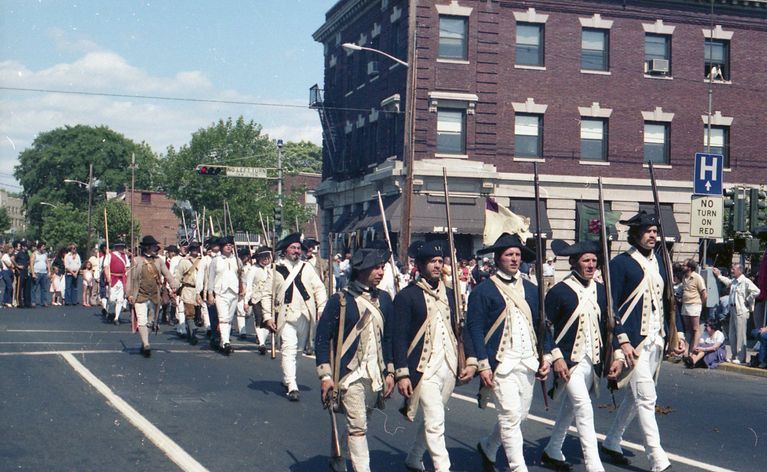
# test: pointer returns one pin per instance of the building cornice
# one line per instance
(341, 18)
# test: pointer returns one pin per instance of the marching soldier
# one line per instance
(116, 266)
(299, 296)
(186, 276)
(100, 275)
(209, 314)
(261, 284)
(425, 352)
(354, 329)
(638, 283)
(224, 289)
(576, 307)
(313, 259)
(243, 305)
(501, 319)
(144, 287)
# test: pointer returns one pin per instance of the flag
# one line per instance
(499, 220)
(589, 225)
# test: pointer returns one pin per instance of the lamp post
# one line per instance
(89, 185)
(48, 204)
(408, 157)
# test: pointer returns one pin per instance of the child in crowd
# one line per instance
(87, 274)
(57, 282)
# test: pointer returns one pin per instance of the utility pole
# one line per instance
(278, 223)
(90, 207)
(710, 106)
(408, 155)
(132, 196)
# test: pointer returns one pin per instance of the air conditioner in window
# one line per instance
(373, 68)
(659, 66)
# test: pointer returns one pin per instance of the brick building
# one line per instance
(14, 206)
(153, 211)
(583, 88)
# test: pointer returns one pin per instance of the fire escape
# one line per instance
(329, 131)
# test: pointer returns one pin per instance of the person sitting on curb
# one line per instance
(710, 351)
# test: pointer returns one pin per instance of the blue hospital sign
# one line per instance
(707, 178)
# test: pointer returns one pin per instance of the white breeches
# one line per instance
(293, 334)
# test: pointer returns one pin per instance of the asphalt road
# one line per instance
(75, 394)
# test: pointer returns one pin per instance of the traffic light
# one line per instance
(738, 206)
(757, 201)
(204, 169)
(278, 218)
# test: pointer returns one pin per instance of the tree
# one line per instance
(302, 156)
(5, 221)
(235, 143)
(62, 225)
(65, 153)
(118, 219)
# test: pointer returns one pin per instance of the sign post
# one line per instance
(707, 209)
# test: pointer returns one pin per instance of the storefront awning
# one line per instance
(667, 220)
(526, 207)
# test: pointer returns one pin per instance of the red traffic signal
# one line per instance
(204, 169)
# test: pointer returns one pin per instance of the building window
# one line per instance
(394, 39)
(146, 197)
(656, 142)
(657, 54)
(717, 54)
(593, 139)
(528, 135)
(595, 49)
(451, 131)
(720, 142)
(453, 34)
(529, 51)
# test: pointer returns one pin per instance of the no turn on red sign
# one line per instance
(706, 216)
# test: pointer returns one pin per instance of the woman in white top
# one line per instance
(710, 351)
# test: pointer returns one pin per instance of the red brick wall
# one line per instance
(155, 216)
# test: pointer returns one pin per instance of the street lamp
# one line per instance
(48, 204)
(357, 47)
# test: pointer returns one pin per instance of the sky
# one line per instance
(255, 51)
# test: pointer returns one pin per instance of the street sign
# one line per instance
(247, 172)
(706, 216)
(707, 177)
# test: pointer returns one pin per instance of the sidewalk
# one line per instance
(743, 369)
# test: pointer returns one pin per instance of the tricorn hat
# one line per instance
(429, 249)
(149, 240)
(288, 240)
(263, 251)
(194, 247)
(641, 219)
(310, 243)
(561, 248)
(368, 258)
(226, 240)
(506, 241)
(119, 244)
(212, 241)
(171, 248)
(243, 253)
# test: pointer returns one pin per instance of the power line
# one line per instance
(187, 99)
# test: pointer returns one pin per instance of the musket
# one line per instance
(458, 320)
(229, 217)
(183, 219)
(331, 277)
(263, 228)
(274, 294)
(210, 228)
(610, 315)
(668, 290)
(394, 271)
(539, 277)
(331, 399)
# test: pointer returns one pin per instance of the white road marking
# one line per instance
(179, 456)
(628, 444)
(62, 331)
(49, 353)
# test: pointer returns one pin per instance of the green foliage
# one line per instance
(233, 143)
(62, 225)
(118, 218)
(65, 153)
(302, 156)
(5, 221)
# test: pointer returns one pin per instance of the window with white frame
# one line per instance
(451, 130)
(528, 135)
(720, 142)
(657, 54)
(453, 37)
(593, 139)
(717, 59)
(595, 49)
(656, 142)
(529, 45)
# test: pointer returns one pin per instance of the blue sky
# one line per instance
(257, 50)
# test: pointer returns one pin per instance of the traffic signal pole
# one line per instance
(278, 221)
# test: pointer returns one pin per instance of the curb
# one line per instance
(742, 369)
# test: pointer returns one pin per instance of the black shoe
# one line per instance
(555, 464)
(243, 336)
(614, 457)
(227, 349)
(308, 352)
(262, 350)
(209, 334)
(415, 469)
(104, 312)
(293, 396)
(215, 344)
(192, 338)
(146, 352)
(487, 464)
(688, 362)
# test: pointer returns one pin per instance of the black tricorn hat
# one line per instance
(412, 250)
(212, 241)
(243, 253)
(119, 244)
(171, 248)
(149, 240)
(194, 247)
(310, 243)
(368, 258)
(561, 248)
(226, 240)
(506, 241)
(641, 219)
(288, 240)
(263, 251)
(429, 249)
